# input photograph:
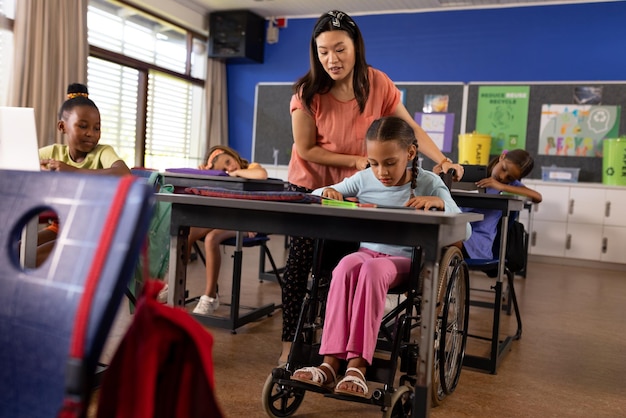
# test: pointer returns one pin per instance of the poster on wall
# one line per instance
(502, 113)
(439, 126)
(576, 130)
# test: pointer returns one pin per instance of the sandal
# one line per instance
(318, 376)
(359, 381)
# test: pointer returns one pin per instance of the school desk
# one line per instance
(428, 229)
(506, 204)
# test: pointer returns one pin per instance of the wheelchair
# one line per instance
(397, 348)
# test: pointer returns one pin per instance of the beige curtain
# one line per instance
(51, 51)
(216, 103)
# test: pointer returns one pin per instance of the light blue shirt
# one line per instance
(368, 189)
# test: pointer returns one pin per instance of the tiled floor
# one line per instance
(570, 361)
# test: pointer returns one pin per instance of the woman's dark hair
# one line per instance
(392, 128)
(77, 95)
(317, 80)
(519, 157)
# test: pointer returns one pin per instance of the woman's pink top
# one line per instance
(341, 129)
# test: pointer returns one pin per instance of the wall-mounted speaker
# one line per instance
(236, 35)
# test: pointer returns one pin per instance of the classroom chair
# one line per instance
(54, 319)
(235, 320)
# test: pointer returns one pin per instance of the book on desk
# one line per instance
(189, 177)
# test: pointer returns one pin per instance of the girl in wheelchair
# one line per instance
(359, 285)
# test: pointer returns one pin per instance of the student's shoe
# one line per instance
(162, 296)
(207, 305)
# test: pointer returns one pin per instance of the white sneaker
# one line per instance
(207, 305)
(162, 296)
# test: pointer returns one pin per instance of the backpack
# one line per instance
(516, 246)
(154, 260)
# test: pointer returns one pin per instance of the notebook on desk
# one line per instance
(19, 148)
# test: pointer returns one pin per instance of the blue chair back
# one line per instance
(38, 306)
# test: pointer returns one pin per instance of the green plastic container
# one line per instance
(614, 161)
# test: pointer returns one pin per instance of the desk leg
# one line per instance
(177, 277)
(422, 400)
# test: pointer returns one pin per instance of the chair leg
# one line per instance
(513, 301)
(274, 274)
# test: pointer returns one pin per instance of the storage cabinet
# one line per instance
(578, 221)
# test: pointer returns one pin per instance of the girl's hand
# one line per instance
(490, 182)
(331, 193)
(55, 165)
(426, 203)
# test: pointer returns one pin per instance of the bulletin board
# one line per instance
(550, 93)
(272, 137)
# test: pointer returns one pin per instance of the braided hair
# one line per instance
(77, 95)
(392, 128)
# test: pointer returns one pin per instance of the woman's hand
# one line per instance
(361, 163)
(446, 165)
(331, 193)
(426, 203)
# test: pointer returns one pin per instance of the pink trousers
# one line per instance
(356, 302)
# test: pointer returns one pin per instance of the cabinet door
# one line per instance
(586, 205)
(615, 209)
(548, 238)
(554, 205)
(583, 241)
(613, 240)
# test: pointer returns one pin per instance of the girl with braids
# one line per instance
(359, 285)
(333, 105)
(505, 173)
(79, 121)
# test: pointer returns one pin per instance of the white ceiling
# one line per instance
(314, 8)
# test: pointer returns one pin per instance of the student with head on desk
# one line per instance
(79, 122)
(333, 105)
(359, 285)
(225, 159)
(504, 174)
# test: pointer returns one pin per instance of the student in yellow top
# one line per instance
(224, 159)
(79, 121)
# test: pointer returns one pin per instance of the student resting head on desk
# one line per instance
(504, 174)
(359, 285)
(333, 105)
(79, 122)
(226, 159)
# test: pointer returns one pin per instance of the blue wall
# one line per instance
(581, 42)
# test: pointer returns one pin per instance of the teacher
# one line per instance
(333, 106)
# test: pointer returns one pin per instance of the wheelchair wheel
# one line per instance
(280, 400)
(452, 316)
(401, 403)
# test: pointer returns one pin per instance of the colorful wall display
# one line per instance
(576, 130)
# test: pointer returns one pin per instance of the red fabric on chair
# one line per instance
(162, 368)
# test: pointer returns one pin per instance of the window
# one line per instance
(149, 86)
(7, 13)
